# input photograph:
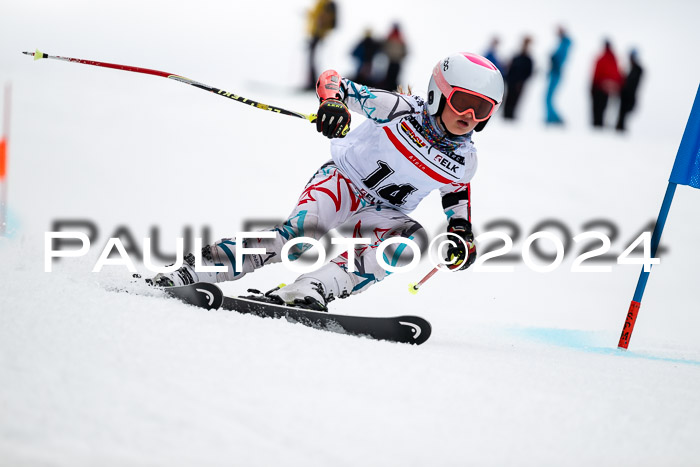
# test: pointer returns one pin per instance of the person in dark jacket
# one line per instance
(519, 72)
(557, 63)
(607, 81)
(628, 94)
(364, 53)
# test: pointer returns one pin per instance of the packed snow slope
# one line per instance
(522, 367)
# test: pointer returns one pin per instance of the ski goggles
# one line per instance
(463, 101)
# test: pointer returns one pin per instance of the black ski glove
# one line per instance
(460, 255)
(333, 119)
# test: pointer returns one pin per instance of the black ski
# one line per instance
(406, 329)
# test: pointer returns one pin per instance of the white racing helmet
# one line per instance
(466, 71)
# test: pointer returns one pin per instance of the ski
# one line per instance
(404, 329)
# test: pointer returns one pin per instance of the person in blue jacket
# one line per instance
(491, 54)
(557, 63)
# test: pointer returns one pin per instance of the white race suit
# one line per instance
(378, 174)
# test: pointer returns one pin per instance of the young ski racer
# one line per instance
(378, 174)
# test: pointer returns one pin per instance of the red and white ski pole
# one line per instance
(413, 287)
(244, 100)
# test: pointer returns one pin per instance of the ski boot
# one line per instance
(186, 275)
(305, 293)
(315, 290)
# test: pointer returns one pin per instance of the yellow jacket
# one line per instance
(321, 18)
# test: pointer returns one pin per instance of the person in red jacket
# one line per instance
(607, 81)
(395, 50)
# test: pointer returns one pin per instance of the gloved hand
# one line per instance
(333, 119)
(462, 256)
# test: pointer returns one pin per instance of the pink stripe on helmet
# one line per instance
(479, 60)
(441, 82)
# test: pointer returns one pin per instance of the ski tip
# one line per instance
(416, 330)
(412, 289)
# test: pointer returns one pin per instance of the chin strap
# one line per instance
(445, 130)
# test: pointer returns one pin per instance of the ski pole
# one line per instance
(413, 288)
(312, 117)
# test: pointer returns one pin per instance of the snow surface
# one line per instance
(522, 367)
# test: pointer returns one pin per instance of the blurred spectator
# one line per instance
(628, 94)
(364, 52)
(491, 56)
(394, 48)
(518, 73)
(321, 20)
(557, 62)
(607, 81)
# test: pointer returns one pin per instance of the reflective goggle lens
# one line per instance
(462, 101)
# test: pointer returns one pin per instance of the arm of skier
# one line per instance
(377, 104)
(456, 203)
(339, 95)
